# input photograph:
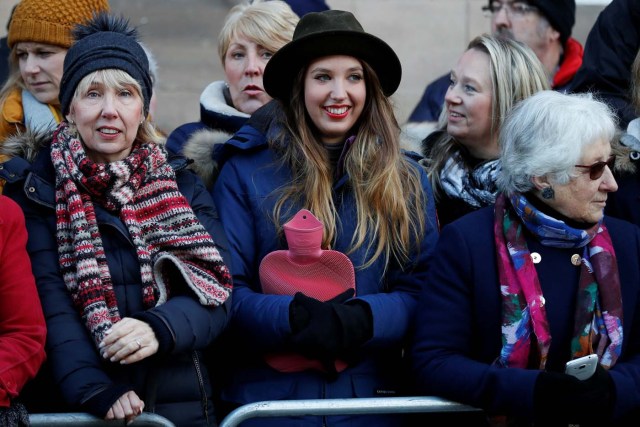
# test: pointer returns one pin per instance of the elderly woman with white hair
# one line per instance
(537, 280)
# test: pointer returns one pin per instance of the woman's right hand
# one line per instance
(127, 407)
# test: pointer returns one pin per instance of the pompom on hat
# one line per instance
(326, 33)
(50, 21)
(105, 42)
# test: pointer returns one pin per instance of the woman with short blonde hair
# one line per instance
(252, 33)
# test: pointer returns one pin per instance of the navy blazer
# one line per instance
(458, 325)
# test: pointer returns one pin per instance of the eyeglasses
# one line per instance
(597, 169)
(515, 9)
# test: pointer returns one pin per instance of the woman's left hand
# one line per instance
(128, 341)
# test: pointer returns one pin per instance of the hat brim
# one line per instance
(285, 64)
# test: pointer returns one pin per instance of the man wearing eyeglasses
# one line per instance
(544, 25)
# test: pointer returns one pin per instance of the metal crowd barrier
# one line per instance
(274, 408)
(367, 406)
(86, 420)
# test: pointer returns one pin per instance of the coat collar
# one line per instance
(216, 113)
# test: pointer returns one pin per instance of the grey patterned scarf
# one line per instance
(476, 187)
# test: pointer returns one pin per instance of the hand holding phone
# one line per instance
(583, 367)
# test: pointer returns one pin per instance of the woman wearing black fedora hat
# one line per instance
(329, 143)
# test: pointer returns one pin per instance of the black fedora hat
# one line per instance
(331, 32)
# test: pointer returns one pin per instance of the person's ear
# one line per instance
(71, 117)
(540, 182)
(544, 187)
(553, 34)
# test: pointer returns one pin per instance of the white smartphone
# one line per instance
(583, 367)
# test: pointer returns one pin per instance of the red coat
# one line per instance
(22, 327)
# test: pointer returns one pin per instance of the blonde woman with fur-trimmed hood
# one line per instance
(252, 33)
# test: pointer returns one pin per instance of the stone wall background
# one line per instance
(427, 35)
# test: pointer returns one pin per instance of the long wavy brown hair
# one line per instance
(386, 186)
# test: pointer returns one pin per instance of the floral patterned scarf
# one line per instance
(168, 237)
(598, 317)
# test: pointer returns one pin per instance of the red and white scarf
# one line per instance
(168, 237)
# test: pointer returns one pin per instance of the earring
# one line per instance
(548, 193)
(71, 122)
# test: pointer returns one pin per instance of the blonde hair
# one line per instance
(387, 188)
(515, 72)
(14, 81)
(267, 23)
(118, 79)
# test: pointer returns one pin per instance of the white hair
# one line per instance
(546, 134)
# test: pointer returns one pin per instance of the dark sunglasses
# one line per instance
(597, 169)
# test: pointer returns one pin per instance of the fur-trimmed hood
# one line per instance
(216, 116)
(626, 158)
(25, 144)
(626, 147)
(201, 148)
(410, 142)
(216, 113)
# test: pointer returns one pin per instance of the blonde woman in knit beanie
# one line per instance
(132, 283)
(39, 37)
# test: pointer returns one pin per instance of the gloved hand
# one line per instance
(327, 330)
(15, 415)
(302, 307)
(564, 399)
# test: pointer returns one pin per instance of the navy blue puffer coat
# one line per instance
(174, 384)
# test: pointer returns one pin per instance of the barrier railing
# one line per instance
(275, 408)
(368, 406)
(74, 419)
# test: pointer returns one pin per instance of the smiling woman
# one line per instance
(462, 155)
(335, 93)
(329, 143)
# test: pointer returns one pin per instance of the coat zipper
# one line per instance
(204, 401)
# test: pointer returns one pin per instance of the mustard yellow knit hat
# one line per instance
(50, 21)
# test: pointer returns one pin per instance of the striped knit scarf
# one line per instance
(598, 315)
(167, 236)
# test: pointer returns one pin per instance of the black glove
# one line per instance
(302, 307)
(327, 330)
(563, 399)
(356, 320)
(15, 415)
